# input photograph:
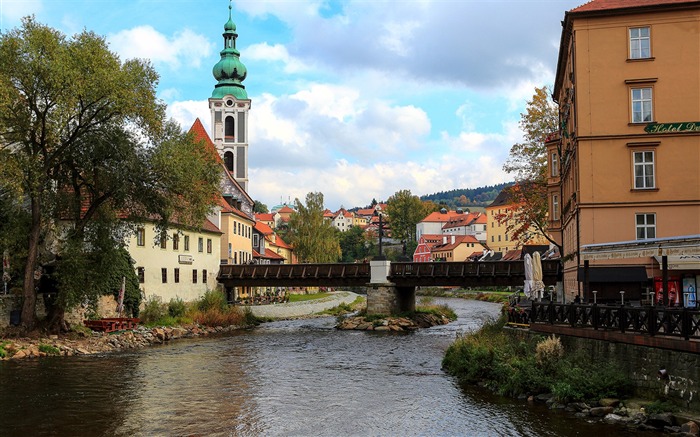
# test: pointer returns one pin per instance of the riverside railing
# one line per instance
(646, 320)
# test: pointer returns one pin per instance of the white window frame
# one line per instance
(645, 225)
(640, 44)
(554, 162)
(644, 112)
(555, 207)
(642, 170)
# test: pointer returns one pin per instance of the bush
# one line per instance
(177, 308)
(212, 299)
(548, 352)
(153, 310)
(49, 350)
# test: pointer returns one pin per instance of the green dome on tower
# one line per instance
(230, 71)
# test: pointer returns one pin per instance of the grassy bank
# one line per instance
(306, 297)
(210, 310)
(497, 296)
(515, 366)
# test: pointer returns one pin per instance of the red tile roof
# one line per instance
(272, 255)
(440, 217)
(210, 227)
(200, 134)
(286, 210)
(265, 217)
(459, 239)
(263, 228)
(609, 5)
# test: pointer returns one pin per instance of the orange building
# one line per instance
(624, 173)
(499, 235)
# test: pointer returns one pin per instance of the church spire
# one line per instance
(230, 71)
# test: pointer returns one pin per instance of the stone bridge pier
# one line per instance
(384, 297)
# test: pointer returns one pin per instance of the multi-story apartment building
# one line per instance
(624, 181)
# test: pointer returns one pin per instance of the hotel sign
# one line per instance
(663, 128)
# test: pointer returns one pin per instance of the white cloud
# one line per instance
(11, 11)
(183, 48)
(185, 112)
(275, 53)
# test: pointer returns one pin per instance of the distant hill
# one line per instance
(466, 197)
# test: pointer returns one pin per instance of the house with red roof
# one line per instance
(455, 248)
(423, 252)
(433, 222)
(342, 219)
(472, 223)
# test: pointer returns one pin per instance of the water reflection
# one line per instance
(283, 378)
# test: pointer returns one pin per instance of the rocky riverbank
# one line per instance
(98, 342)
(397, 324)
(630, 415)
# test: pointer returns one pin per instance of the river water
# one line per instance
(299, 377)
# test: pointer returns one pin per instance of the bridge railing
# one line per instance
(454, 269)
(648, 320)
(293, 271)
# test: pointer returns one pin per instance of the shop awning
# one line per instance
(681, 262)
(614, 274)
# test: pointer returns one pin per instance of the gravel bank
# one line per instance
(302, 309)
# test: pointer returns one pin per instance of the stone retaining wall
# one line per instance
(679, 384)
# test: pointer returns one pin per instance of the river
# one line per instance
(299, 377)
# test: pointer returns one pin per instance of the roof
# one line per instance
(263, 228)
(465, 220)
(272, 255)
(459, 239)
(200, 134)
(440, 217)
(285, 210)
(208, 226)
(227, 208)
(503, 198)
(265, 217)
(609, 5)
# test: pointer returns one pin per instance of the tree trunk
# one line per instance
(29, 293)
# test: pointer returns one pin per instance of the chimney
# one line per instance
(444, 240)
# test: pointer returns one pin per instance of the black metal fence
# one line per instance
(647, 320)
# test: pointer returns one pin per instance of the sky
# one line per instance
(353, 99)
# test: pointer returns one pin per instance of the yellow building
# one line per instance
(499, 233)
(455, 248)
(624, 179)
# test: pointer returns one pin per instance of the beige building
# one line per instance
(455, 248)
(499, 233)
(624, 172)
(183, 265)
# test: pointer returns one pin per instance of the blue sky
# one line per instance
(355, 99)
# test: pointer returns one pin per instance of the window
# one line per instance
(140, 237)
(164, 275)
(208, 245)
(554, 162)
(141, 273)
(177, 276)
(176, 241)
(499, 238)
(204, 276)
(640, 47)
(555, 207)
(230, 247)
(163, 241)
(644, 169)
(256, 242)
(229, 129)
(646, 226)
(641, 105)
(194, 276)
(187, 243)
(492, 238)
(200, 244)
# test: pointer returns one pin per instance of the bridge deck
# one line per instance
(464, 274)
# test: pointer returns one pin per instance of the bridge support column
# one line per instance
(388, 299)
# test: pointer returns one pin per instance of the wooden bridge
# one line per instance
(402, 274)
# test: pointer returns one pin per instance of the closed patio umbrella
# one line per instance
(527, 288)
(537, 284)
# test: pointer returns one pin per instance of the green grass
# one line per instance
(305, 297)
(3, 352)
(508, 365)
(49, 350)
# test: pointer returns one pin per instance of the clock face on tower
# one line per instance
(229, 102)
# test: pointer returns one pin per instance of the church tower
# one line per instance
(229, 105)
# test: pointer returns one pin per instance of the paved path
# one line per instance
(305, 308)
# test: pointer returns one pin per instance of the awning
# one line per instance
(681, 262)
(614, 274)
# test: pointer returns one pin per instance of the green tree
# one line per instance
(356, 244)
(527, 162)
(86, 136)
(405, 211)
(314, 239)
(260, 208)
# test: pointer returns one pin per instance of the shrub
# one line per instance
(548, 352)
(49, 350)
(659, 406)
(177, 308)
(426, 300)
(212, 299)
(153, 310)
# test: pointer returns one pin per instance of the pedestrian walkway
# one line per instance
(306, 308)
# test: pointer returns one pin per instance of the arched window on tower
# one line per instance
(228, 129)
(228, 160)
